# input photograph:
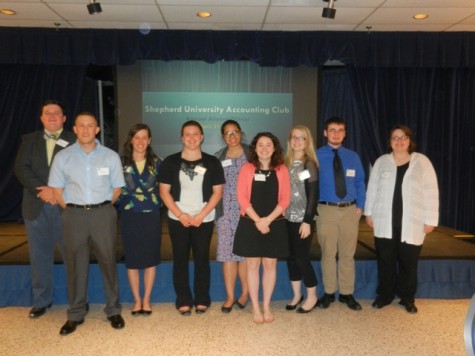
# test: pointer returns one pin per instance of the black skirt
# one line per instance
(141, 236)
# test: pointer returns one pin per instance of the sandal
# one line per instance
(268, 317)
(257, 317)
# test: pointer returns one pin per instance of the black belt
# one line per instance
(340, 205)
(89, 206)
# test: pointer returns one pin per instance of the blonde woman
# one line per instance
(302, 163)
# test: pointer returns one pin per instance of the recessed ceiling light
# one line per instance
(203, 14)
(420, 16)
(7, 12)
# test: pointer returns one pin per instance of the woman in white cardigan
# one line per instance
(402, 206)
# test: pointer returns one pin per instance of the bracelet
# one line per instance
(181, 213)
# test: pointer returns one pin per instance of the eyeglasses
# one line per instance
(232, 133)
(399, 138)
(334, 131)
(298, 138)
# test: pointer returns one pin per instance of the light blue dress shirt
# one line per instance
(86, 178)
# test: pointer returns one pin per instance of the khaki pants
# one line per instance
(337, 231)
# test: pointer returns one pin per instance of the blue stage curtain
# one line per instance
(437, 104)
(268, 48)
(23, 89)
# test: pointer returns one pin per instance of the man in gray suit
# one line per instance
(40, 209)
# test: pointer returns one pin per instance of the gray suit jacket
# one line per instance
(32, 170)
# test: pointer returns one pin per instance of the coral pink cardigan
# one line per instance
(244, 186)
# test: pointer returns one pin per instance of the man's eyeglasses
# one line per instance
(232, 133)
(297, 138)
(334, 131)
(399, 138)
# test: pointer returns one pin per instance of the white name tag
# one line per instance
(62, 143)
(226, 162)
(259, 177)
(103, 171)
(304, 175)
(200, 170)
(350, 173)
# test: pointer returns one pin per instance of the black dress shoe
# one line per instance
(227, 310)
(381, 302)
(325, 300)
(146, 312)
(294, 306)
(70, 326)
(301, 310)
(350, 301)
(136, 312)
(117, 322)
(36, 312)
(410, 306)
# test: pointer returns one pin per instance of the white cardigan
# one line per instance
(420, 195)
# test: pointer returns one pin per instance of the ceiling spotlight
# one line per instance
(329, 12)
(7, 12)
(94, 7)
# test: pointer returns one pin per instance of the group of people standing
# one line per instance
(266, 204)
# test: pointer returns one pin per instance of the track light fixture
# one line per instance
(329, 12)
(94, 7)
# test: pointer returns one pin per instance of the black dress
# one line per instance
(250, 242)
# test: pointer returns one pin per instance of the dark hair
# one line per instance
(334, 120)
(277, 157)
(191, 123)
(408, 132)
(86, 113)
(230, 122)
(52, 102)
(127, 158)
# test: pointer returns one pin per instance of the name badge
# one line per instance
(259, 177)
(350, 173)
(62, 143)
(304, 175)
(103, 171)
(200, 170)
(226, 162)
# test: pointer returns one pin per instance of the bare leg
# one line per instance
(297, 289)
(134, 281)
(253, 264)
(311, 298)
(268, 284)
(149, 279)
(242, 268)
(230, 271)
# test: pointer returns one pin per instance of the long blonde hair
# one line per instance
(309, 152)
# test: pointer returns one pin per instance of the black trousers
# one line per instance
(298, 262)
(397, 267)
(197, 240)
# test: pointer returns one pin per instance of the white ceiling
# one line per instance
(253, 15)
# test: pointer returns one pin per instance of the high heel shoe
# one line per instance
(240, 306)
(294, 306)
(301, 310)
(227, 310)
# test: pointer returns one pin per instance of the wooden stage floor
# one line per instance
(442, 243)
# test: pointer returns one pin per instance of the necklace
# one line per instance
(266, 175)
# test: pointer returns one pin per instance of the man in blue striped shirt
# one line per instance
(339, 214)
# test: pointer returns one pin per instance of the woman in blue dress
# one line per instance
(232, 158)
(139, 208)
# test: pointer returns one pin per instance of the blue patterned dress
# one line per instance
(227, 223)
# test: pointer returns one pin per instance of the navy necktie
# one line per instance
(338, 175)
